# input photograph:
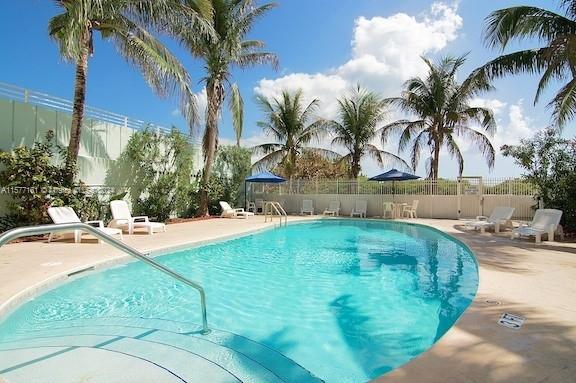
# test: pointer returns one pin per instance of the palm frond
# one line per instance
(525, 22)
(480, 142)
(564, 104)
(237, 109)
(267, 148)
(269, 161)
(161, 70)
(455, 152)
(385, 158)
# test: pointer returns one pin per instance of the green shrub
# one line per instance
(156, 171)
(231, 167)
(550, 164)
(36, 178)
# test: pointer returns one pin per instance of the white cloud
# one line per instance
(320, 86)
(518, 126)
(385, 52)
(512, 122)
(201, 103)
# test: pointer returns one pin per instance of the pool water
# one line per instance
(348, 300)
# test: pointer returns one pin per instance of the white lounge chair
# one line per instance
(307, 207)
(410, 210)
(333, 209)
(229, 212)
(122, 219)
(388, 210)
(545, 221)
(66, 214)
(501, 215)
(359, 209)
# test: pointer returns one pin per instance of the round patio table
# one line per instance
(398, 207)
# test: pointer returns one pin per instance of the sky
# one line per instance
(325, 47)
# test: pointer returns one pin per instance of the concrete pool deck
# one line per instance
(518, 277)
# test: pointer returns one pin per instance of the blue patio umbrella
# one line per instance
(394, 175)
(265, 178)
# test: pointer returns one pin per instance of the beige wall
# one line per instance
(429, 206)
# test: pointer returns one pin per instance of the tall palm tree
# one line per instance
(232, 21)
(128, 24)
(443, 111)
(360, 114)
(556, 60)
(288, 121)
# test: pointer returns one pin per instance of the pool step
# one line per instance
(70, 351)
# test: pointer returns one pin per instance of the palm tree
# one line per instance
(232, 21)
(360, 114)
(288, 122)
(444, 114)
(556, 60)
(128, 25)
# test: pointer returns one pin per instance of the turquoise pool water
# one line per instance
(347, 299)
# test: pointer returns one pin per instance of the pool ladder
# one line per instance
(271, 207)
(64, 227)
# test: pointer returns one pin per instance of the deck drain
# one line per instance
(511, 321)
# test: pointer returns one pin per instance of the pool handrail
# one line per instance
(64, 227)
(279, 210)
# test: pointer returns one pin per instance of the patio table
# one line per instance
(398, 207)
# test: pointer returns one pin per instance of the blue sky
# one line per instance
(323, 47)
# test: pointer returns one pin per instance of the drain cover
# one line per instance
(511, 321)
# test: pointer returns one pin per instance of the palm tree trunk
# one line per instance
(77, 113)
(436, 161)
(210, 143)
(355, 168)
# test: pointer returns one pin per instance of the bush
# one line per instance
(36, 178)
(550, 164)
(231, 167)
(156, 170)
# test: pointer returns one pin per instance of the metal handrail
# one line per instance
(279, 210)
(44, 229)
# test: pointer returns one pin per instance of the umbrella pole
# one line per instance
(393, 191)
(245, 190)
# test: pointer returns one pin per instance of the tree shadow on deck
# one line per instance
(478, 349)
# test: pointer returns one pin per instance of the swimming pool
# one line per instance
(348, 300)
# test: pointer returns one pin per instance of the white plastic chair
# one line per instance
(388, 210)
(359, 209)
(410, 210)
(307, 207)
(123, 219)
(229, 212)
(500, 215)
(333, 209)
(545, 221)
(66, 214)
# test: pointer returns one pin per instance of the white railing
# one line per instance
(462, 198)
(489, 186)
(16, 93)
